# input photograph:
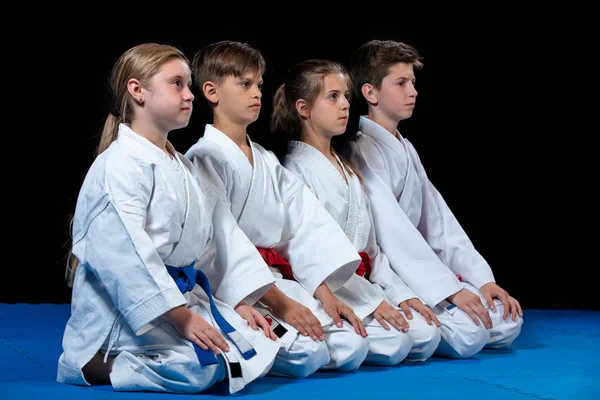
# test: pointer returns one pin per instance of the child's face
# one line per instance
(168, 99)
(239, 98)
(329, 113)
(397, 95)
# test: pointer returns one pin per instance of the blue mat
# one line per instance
(557, 356)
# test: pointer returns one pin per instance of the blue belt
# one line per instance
(186, 278)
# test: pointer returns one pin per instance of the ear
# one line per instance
(135, 89)
(369, 93)
(302, 108)
(209, 89)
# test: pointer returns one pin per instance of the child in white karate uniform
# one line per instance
(312, 106)
(415, 228)
(280, 216)
(143, 316)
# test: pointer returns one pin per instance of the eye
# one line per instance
(333, 96)
(260, 87)
(177, 83)
(245, 83)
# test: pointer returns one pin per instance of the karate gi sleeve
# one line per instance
(115, 247)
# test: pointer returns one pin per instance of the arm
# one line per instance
(382, 274)
(409, 255)
(441, 229)
(230, 258)
(313, 243)
(110, 240)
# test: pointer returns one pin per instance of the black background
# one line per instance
(495, 126)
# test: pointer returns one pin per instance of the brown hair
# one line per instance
(303, 81)
(219, 60)
(370, 63)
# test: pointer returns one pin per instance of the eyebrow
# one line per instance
(177, 76)
(405, 78)
(247, 78)
(336, 91)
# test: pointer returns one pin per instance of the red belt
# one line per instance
(273, 259)
(364, 269)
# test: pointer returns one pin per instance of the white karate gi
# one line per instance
(348, 204)
(138, 211)
(275, 210)
(423, 240)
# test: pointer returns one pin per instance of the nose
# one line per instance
(257, 92)
(414, 92)
(345, 103)
(188, 95)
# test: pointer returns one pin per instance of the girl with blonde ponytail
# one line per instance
(143, 315)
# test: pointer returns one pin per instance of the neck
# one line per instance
(390, 125)
(150, 132)
(319, 142)
(235, 132)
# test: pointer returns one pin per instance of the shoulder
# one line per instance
(125, 167)
(205, 148)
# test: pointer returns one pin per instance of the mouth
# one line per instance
(257, 105)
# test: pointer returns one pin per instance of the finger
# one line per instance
(484, 315)
(272, 334)
(473, 316)
(335, 317)
(406, 309)
(490, 301)
(434, 318)
(252, 321)
(424, 311)
(203, 337)
(265, 327)
(308, 327)
(358, 326)
(349, 315)
(218, 339)
(399, 322)
(199, 343)
(356, 323)
(381, 321)
(519, 307)
(298, 325)
(361, 327)
(314, 323)
(316, 326)
(513, 308)
(507, 306)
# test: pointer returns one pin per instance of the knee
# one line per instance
(167, 370)
(504, 333)
(316, 356)
(465, 341)
(349, 356)
(397, 348)
(426, 339)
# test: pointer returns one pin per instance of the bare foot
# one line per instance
(96, 370)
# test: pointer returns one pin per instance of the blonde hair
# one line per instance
(141, 62)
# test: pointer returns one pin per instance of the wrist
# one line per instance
(274, 299)
(323, 293)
